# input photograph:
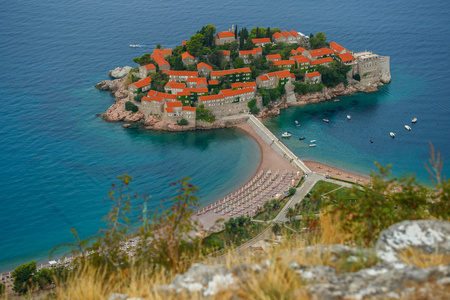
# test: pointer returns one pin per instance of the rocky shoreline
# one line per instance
(117, 112)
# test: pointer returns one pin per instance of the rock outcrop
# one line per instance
(119, 72)
(117, 113)
(427, 236)
(110, 85)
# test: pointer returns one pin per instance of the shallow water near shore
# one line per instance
(58, 160)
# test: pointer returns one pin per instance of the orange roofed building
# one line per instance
(224, 37)
(228, 102)
(245, 54)
(291, 37)
(187, 59)
(313, 77)
(204, 69)
(236, 75)
(162, 63)
(143, 84)
(145, 70)
(174, 87)
(261, 42)
(180, 76)
(272, 80)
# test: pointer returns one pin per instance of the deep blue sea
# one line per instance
(58, 160)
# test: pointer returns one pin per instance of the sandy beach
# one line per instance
(271, 160)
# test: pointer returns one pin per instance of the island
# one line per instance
(216, 80)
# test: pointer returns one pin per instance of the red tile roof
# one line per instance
(298, 50)
(277, 35)
(247, 52)
(160, 60)
(143, 82)
(229, 72)
(184, 93)
(259, 41)
(152, 93)
(257, 49)
(189, 108)
(202, 64)
(162, 51)
(169, 110)
(293, 32)
(186, 55)
(283, 62)
(167, 96)
(283, 74)
(243, 85)
(188, 91)
(300, 59)
(175, 85)
(210, 97)
(225, 34)
(149, 67)
(174, 104)
(148, 99)
(313, 74)
(181, 73)
(228, 93)
(213, 82)
(321, 61)
(274, 56)
(226, 52)
(183, 43)
(285, 33)
(346, 57)
(157, 98)
(321, 51)
(263, 77)
(197, 80)
(337, 47)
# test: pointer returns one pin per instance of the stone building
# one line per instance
(204, 69)
(152, 105)
(291, 37)
(226, 55)
(163, 52)
(323, 62)
(236, 75)
(273, 80)
(313, 77)
(284, 64)
(197, 82)
(338, 48)
(181, 76)
(187, 59)
(298, 51)
(320, 53)
(162, 63)
(146, 70)
(174, 87)
(247, 54)
(143, 84)
(228, 102)
(243, 85)
(224, 37)
(301, 61)
(261, 42)
(190, 95)
(273, 57)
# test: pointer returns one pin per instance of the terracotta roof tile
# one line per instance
(148, 99)
(174, 104)
(226, 52)
(346, 57)
(313, 74)
(229, 72)
(293, 32)
(213, 82)
(283, 74)
(169, 110)
(228, 93)
(225, 34)
(175, 85)
(160, 60)
(149, 67)
(277, 35)
(189, 108)
(337, 47)
(263, 77)
(202, 64)
(321, 61)
(186, 55)
(143, 82)
(283, 62)
(285, 33)
(162, 51)
(181, 73)
(210, 97)
(259, 41)
(183, 43)
(274, 56)
(243, 85)
(321, 51)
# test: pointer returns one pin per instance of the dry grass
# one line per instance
(331, 233)
(417, 257)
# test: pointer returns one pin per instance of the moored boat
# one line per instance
(286, 134)
(326, 120)
(349, 117)
(407, 127)
(312, 141)
(392, 134)
(302, 138)
(312, 145)
(414, 120)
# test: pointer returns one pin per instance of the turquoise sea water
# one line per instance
(58, 160)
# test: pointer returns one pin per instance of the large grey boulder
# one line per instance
(120, 72)
(428, 236)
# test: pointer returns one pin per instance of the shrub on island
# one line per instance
(130, 106)
(183, 122)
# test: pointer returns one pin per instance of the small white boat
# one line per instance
(312, 145)
(414, 120)
(407, 127)
(349, 117)
(312, 141)
(296, 122)
(337, 100)
(392, 134)
(286, 134)
(326, 120)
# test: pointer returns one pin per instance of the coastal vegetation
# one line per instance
(130, 106)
